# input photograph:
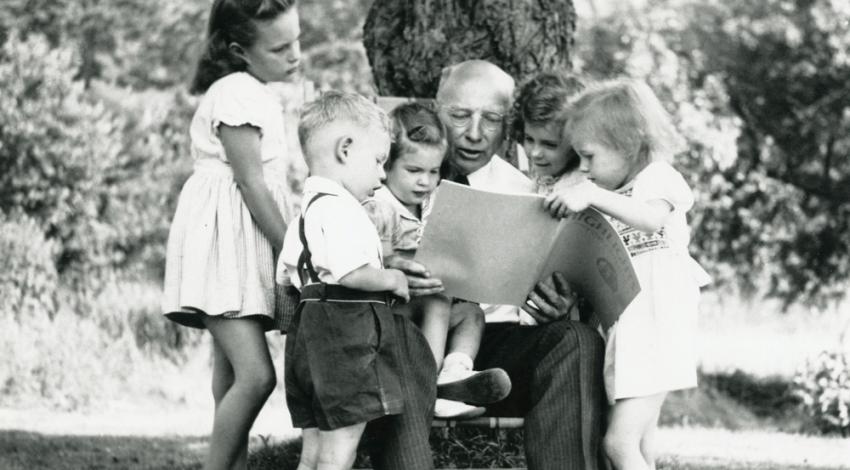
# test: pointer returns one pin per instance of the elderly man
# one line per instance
(555, 364)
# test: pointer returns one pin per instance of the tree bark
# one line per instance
(408, 42)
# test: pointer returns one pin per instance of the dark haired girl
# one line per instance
(232, 212)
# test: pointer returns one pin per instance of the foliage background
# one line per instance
(93, 150)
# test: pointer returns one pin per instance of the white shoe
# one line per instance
(453, 374)
(446, 409)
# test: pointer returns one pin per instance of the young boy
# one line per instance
(342, 366)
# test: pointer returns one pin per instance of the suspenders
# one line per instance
(314, 289)
(306, 272)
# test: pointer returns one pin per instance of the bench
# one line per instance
(488, 422)
(494, 423)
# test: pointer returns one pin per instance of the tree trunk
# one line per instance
(408, 42)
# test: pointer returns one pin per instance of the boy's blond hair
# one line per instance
(625, 115)
(336, 106)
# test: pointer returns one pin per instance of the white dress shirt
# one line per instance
(500, 176)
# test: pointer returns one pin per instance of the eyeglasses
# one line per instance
(460, 117)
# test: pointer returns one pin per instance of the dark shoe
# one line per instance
(474, 387)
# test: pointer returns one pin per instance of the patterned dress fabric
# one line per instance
(651, 348)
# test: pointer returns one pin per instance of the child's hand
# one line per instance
(400, 288)
(575, 198)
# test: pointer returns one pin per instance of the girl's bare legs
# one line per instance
(432, 313)
(338, 448)
(625, 441)
(648, 441)
(222, 380)
(309, 449)
(241, 349)
(467, 328)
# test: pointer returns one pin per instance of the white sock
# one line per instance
(457, 359)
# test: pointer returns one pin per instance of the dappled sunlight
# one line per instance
(758, 338)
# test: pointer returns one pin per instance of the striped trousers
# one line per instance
(556, 371)
(400, 442)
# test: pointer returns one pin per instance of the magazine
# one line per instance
(494, 248)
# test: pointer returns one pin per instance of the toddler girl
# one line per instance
(399, 210)
(539, 125)
(625, 140)
(232, 212)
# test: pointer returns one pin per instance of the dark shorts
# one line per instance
(342, 364)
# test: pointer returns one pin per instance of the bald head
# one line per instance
(478, 74)
(474, 98)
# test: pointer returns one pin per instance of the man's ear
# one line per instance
(343, 145)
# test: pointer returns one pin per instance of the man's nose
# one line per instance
(382, 175)
(534, 151)
(473, 129)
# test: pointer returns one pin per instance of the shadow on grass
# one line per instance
(32, 451)
(734, 401)
(473, 448)
(739, 401)
(456, 448)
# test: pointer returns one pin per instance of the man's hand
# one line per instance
(419, 280)
(553, 299)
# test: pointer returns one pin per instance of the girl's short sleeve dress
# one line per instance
(218, 262)
(651, 347)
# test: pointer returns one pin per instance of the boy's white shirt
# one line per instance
(340, 235)
(497, 176)
(500, 176)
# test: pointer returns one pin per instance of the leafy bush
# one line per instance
(824, 387)
(759, 90)
(28, 280)
(55, 148)
(120, 348)
(99, 176)
(86, 191)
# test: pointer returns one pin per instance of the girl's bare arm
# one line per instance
(242, 145)
(647, 216)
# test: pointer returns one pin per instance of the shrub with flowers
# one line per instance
(824, 387)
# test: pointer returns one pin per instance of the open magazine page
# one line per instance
(493, 248)
(590, 254)
(486, 247)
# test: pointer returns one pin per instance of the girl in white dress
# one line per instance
(625, 140)
(232, 212)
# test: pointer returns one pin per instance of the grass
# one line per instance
(706, 450)
(736, 421)
(742, 416)
(32, 451)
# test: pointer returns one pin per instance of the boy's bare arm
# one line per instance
(367, 278)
